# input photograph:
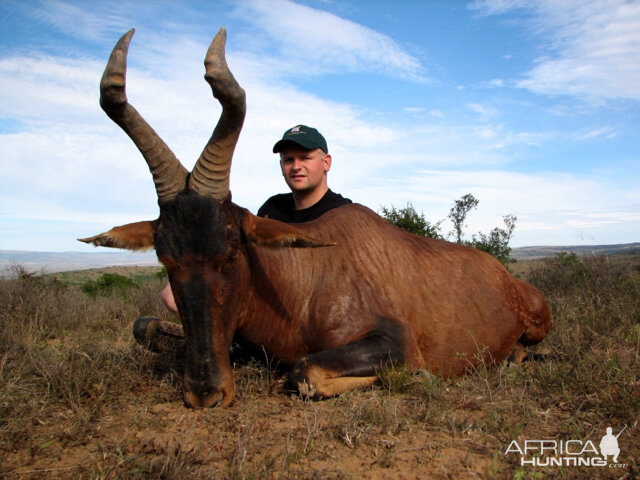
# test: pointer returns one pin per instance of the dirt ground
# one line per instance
(270, 432)
(268, 436)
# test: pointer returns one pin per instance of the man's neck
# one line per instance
(304, 200)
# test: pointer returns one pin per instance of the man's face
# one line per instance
(304, 170)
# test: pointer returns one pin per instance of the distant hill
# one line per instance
(534, 253)
(52, 262)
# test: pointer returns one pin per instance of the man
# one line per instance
(305, 163)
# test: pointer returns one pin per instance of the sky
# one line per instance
(533, 107)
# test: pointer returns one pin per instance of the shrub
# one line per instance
(108, 284)
(162, 274)
(408, 219)
(602, 292)
(496, 243)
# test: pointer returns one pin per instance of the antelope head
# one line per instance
(200, 233)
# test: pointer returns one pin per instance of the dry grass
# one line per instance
(78, 399)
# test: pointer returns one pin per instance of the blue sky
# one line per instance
(531, 106)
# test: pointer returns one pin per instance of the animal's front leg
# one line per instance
(352, 366)
(158, 335)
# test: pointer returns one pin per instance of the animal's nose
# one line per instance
(200, 397)
(191, 400)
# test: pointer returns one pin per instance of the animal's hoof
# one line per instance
(306, 390)
(157, 335)
(518, 354)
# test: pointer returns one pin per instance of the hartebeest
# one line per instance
(336, 298)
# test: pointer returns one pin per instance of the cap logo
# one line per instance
(295, 130)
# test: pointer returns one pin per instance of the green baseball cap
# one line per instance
(303, 136)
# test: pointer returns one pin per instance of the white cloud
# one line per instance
(83, 23)
(598, 132)
(481, 109)
(592, 47)
(317, 41)
(39, 87)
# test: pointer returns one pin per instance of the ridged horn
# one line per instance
(210, 176)
(168, 173)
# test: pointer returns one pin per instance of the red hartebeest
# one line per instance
(373, 294)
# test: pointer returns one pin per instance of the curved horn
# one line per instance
(210, 176)
(169, 175)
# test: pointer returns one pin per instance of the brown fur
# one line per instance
(460, 304)
(455, 306)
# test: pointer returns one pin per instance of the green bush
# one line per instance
(162, 274)
(495, 243)
(600, 292)
(408, 219)
(108, 284)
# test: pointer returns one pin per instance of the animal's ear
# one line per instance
(133, 236)
(271, 233)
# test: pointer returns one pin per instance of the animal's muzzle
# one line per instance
(204, 394)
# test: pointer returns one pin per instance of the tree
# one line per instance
(408, 219)
(497, 242)
(459, 212)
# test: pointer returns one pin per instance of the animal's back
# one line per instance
(458, 302)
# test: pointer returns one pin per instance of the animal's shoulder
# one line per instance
(350, 219)
(359, 225)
